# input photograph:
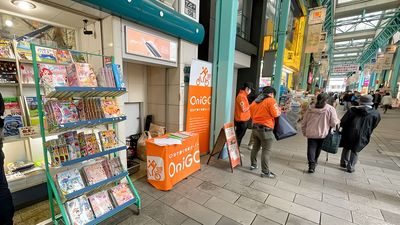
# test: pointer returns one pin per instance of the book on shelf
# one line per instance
(101, 203)
(6, 49)
(78, 57)
(12, 106)
(79, 211)
(52, 76)
(24, 51)
(27, 73)
(108, 139)
(8, 72)
(71, 140)
(121, 194)
(63, 56)
(32, 110)
(81, 75)
(58, 151)
(69, 181)
(45, 55)
(81, 108)
(112, 167)
(118, 76)
(88, 144)
(105, 77)
(60, 112)
(94, 173)
(12, 123)
(110, 108)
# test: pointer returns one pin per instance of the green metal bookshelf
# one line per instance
(65, 93)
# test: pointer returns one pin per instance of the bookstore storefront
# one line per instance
(132, 71)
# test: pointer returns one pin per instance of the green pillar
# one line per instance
(283, 23)
(395, 74)
(223, 60)
(305, 71)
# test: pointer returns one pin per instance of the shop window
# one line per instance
(13, 27)
(244, 19)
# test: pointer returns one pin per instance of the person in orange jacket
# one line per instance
(242, 111)
(263, 112)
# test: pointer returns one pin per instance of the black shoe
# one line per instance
(268, 175)
(343, 166)
(350, 170)
(311, 170)
(253, 167)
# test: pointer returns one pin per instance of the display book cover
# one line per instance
(45, 55)
(71, 141)
(27, 74)
(24, 51)
(108, 139)
(60, 112)
(8, 72)
(118, 76)
(12, 116)
(52, 76)
(81, 75)
(112, 167)
(33, 111)
(58, 151)
(121, 194)
(69, 181)
(105, 77)
(6, 49)
(101, 203)
(88, 144)
(110, 108)
(79, 210)
(94, 173)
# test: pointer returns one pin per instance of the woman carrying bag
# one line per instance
(316, 125)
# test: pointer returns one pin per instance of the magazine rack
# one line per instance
(65, 93)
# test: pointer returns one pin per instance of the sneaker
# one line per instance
(268, 175)
(253, 167)
(311, 170)
(350, 170)
(250, 147)
(343, 165)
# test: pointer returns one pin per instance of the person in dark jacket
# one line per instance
(6, 202)
(357, 126)
(377, 98)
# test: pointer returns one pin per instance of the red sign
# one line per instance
(199, 102)
(231, 143)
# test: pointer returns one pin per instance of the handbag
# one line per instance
(141, 145)
(283, 129)
(332, 141)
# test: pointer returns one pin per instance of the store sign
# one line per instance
(290, 56)
(232, 145)
(391, 49)
(317, 16)
(150, 45)
(29, 131)
(346, 68)
(387, 62)
(191, 9)
(265, 81)
(380, 60)
(199, 102)
(313, 38)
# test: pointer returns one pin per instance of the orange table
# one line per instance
(167, 165)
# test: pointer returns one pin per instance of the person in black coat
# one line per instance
(357, 126)
(6, 202)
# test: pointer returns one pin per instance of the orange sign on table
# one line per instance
(167, 165)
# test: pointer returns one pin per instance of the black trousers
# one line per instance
(313, 151)
(349, 159)
(376, 105)
(6, 202)
(240, 130)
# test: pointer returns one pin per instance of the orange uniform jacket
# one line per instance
(242, 108)
(265, 112)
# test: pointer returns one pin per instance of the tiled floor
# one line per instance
(331, 196)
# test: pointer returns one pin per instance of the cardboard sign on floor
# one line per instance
(227, 136)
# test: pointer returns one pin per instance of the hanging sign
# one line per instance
(227, 136)
(380, 60)
(191, 9)
(317, 16)
(346, 68)
(313, 38)
(198, 114)
(391, 49)
(387, 61)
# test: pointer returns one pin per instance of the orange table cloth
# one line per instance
(167, 165)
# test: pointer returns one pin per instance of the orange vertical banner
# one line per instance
(198, 114)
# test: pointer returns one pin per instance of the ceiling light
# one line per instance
(23, 4)
(9, 23)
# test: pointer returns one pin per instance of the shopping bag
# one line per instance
(141, 146)
(283, 128)
(156, 130)
(331, 142)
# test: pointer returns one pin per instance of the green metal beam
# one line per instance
(382, 38)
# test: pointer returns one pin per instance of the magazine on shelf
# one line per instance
(8, 72)
(108, 139)
(45, 55)
(94, 173)
(27, 73)
(71, 140)
(69, 181)
(79, 211)
(33, 111)
(121, 194)
(81, 75)
(78, 57)
(112, 167)
(52, 76)
(101, 203)
(6, 49)
(63, 56)
(24, 51)
(12, 123)
(12, 106)
(110, 108)
(58, 151)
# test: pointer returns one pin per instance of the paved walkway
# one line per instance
(329, 197)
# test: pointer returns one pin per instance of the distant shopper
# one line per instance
(242, 111)
(355, 98)
(377, 98)
(347, 101)
(358, 124)
(387, 102)
(6, 202)
(264, 110)
(316, 125)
